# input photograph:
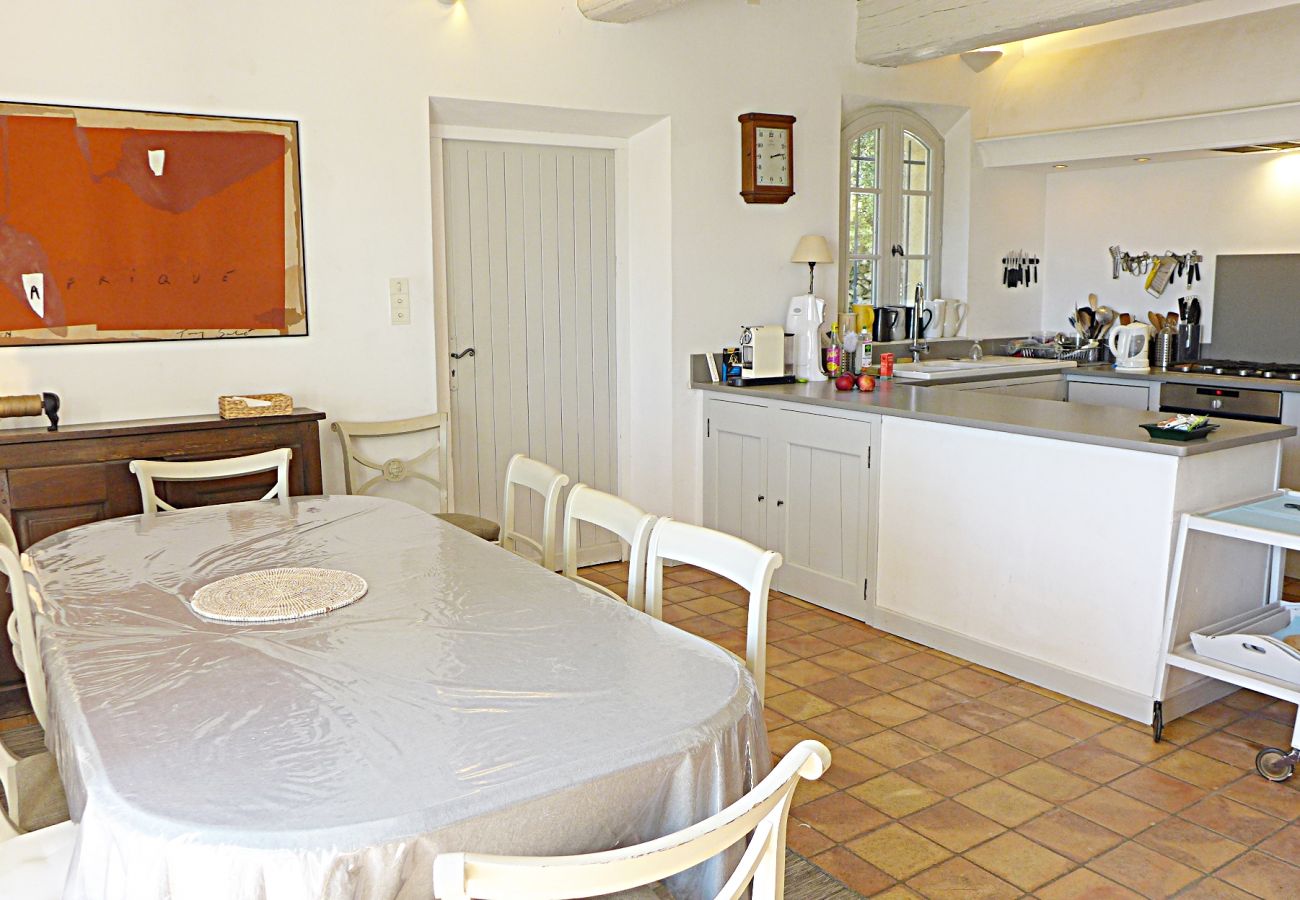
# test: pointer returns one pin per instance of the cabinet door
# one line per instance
(1131, 396)
(1037, 388)
(819, 516)
(735, 476)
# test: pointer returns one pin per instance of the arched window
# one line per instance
(893, 208)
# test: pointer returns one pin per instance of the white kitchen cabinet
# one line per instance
(1099, 393)
(800, 483)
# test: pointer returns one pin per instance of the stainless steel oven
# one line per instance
(1250, 404)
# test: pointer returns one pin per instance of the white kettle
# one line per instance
(1129, 344)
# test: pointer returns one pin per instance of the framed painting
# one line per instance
(117, 225)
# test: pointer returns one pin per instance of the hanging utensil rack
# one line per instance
(1019, 269)
(1185, 264)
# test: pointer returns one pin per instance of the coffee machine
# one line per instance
(762, 351)
(803, 320)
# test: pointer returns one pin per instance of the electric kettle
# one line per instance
(1129, 344)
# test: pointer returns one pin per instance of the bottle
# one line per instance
(864, 351)
(835, 352)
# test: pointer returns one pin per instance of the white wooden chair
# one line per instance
(28, 773)
(764, 811)
(614, 514)
(147, 471)
(522, 472)
(34, 866)
(397, 469)
(740, 561)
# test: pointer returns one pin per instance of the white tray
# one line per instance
(1252, 640)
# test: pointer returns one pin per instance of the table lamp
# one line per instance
(812, 250)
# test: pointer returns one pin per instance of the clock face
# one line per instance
(772, 157)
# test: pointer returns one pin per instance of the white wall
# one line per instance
(1232, 205)
(358, 77)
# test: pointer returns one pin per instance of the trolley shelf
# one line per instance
(1184, 657)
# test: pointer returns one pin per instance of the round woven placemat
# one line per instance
(277, 595)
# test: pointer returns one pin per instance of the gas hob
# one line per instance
(1239, 368)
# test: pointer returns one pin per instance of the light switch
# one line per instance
(399, 300)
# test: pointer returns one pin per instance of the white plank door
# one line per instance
(530, 282)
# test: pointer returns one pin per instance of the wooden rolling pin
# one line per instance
(46, 404)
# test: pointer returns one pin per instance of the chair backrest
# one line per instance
(395, 469)
(459, 876)
(614, 514)
(147, 471)
(34, 866)
(545, 480)
(735, 559)
(22, 631)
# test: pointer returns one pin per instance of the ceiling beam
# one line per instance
(898, 32)
(622, 11)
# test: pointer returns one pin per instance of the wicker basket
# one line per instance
(237, 406)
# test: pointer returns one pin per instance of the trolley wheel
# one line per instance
(1275, 764)
(1157, 721)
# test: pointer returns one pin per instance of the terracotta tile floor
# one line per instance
(952, 780)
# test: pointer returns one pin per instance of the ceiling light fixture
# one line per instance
(1060, 166)
(1274, 147)
(979, 60)
(1143, 159)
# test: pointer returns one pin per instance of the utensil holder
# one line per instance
(1189, 343)
(1163, 349)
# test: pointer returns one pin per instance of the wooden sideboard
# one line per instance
(54, 480)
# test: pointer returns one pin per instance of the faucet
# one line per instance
(919, 343)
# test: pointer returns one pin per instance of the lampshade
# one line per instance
(812, 249)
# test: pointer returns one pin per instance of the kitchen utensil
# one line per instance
(1189, 342)
(1164, 349)
(893, 323)
(934, 326)
(1105, 319)
(1116, 260)
(1092, 300)
(1173, 434)
(954, 317)
(803, 320)
(1125, 319)
(1129, 344)
(1194, 311)
(1084, 320)
(1161, 273)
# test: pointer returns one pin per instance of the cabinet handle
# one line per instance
(761, 498)
(780, 503)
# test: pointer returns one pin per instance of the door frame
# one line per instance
(442, 320)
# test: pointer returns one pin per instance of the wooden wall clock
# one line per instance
(766, 157)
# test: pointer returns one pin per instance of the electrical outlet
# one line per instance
(399, 300)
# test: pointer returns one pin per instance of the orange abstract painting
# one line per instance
(128, 226)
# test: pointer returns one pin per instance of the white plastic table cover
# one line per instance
(470, 701)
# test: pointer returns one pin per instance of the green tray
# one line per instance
(1172, 434)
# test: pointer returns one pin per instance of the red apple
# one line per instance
(844, 383)
(866, 383)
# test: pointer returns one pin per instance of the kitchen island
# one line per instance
(1030, 536)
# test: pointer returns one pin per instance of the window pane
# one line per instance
(862, 224)
(862, 159)
(862, 282)
(916, 274)
(916, 163)
(916, 230)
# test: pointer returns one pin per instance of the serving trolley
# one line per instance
(1228, 621)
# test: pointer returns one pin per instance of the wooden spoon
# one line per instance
(1092, 300)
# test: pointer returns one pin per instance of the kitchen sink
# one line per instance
(1011, 365)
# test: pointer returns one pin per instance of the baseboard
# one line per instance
(1121, 701)
(1191, 697)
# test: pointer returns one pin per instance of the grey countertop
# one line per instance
(1106, 426)
(1105, 371)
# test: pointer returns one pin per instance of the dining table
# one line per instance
(470, 700)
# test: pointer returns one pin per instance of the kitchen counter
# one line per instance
(974, 521)
(1104, 426)
(1162, 375)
